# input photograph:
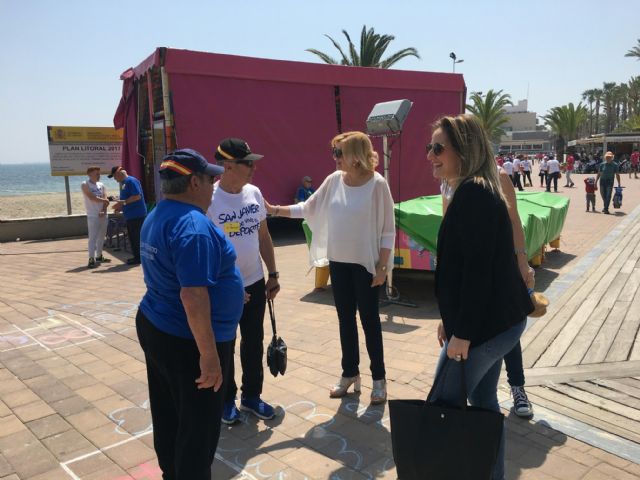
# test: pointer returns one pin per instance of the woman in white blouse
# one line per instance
(352, 220)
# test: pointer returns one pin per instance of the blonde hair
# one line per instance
(471, 143)
(91, 169)
(357, 146)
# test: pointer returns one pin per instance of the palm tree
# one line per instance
(609, 93)
(634, 52)
(372, 48)
(564, 122)
(490, 111)
(589, 96)
(634, 96)
(597, 93)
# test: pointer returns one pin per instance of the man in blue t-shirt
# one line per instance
(305, 190)
(133, 207)
(188, 317)
(607, 171)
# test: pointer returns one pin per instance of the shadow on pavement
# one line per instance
(528, 445)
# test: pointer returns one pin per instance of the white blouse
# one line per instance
(349, 224)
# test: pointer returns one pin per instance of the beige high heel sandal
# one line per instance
(379, 392)
(340, 390)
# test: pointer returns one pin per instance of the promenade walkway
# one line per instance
(73, 394)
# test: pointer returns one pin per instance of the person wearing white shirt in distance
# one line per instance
(553, 172)
(351, 217)
(96, 203)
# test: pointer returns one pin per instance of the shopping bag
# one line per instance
(434, 441)
(277, 349)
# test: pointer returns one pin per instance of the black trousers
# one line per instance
(527, 176)
(516, 181)
(251, 345)
(133, 228)
(186, 421)
(513, 365)
(351, 286)
(552, 177)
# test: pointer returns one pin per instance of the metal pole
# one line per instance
(66, 187)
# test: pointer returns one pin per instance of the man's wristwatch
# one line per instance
(275, 275)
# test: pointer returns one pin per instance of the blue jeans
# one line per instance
(482, 370)
(606, 189)
(513, 366)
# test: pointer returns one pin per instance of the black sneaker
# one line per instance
(92, 263)
(133, 261)
(103, 259)
(521, 405)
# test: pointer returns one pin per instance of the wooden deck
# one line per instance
(583, 358)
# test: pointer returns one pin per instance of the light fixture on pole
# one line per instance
(455, 60)
(386, 120)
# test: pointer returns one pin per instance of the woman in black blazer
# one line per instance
(482, 297)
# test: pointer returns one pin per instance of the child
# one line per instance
(590, 187)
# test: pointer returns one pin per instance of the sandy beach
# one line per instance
(42, 205)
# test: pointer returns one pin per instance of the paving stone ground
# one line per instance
(73, 394)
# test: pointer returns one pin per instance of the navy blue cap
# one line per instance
(187, 162)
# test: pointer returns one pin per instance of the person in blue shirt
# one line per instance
(133, 206)
(305, 190)
(187, 320)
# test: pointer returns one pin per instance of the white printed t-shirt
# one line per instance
(97, 189)
(239, 216)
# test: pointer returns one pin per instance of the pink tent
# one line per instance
(287, 111)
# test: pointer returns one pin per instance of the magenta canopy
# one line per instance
(289, 112)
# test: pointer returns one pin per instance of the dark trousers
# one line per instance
(516, 181)
(606, 189)
(552, 177)
(543, 179)
(527, 176)
(133, 228)
(351, 286)
(251, 345)
(186, 421)
(513, 365)
(591, 200)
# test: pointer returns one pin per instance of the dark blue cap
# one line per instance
(187, 162)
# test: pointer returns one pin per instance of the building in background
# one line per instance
(523, 134)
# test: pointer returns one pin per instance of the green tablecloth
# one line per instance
(542, 215)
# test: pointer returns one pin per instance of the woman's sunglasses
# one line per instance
(437, 148)
(337, 152)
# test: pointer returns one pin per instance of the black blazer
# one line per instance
(478, 284)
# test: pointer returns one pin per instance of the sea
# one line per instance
(35, 178)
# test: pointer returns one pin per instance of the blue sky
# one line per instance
(61, 61)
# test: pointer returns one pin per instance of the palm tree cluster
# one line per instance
(372, 47)
(617, 107)
(565, 122)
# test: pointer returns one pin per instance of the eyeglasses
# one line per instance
(336, 152)
(437, 148)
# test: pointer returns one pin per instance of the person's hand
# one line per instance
(272, 288)
(379, 278)
(105, 201)
(102, 213)
(247, 297)
(442, 335)
(117, 207)
(531, 278)
(210, 372)
(270, 209)
(458, 349)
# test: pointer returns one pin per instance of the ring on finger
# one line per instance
(458, 358)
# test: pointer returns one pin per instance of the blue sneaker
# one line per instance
(258, 407)
(230, 414)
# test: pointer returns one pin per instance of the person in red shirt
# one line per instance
(635, 161)
(570, 166)
(590, 186)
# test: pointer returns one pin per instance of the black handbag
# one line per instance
(443, 442)
(277, 349)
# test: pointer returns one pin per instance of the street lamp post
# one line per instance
(455, 60)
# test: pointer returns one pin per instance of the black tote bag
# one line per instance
(432, 441)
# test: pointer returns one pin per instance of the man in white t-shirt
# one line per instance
(238, 209)
(526, 172)
(507, 166)
(517, 170)
(553, 172)
(95, 203)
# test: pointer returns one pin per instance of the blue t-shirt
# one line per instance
(303, 193)
(128, 188)
(180, 247)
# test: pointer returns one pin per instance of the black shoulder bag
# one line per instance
(277, 349)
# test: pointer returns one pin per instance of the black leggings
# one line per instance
(351, 285)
